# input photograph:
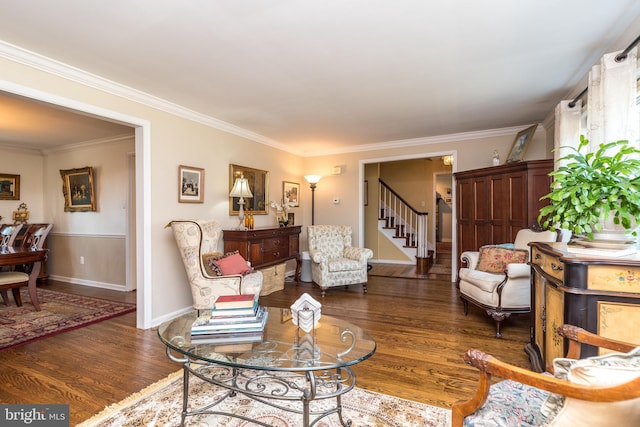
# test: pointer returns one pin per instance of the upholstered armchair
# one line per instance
(334, 262)
(599, 391)
(197, 241)
(497, 278)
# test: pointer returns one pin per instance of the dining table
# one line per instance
(28, 260)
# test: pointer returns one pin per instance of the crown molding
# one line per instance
(51, 66)
(429, 140)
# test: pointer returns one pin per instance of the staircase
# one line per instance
(405, 227)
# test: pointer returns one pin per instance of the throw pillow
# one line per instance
(494, 258)
(600, 371)
(206, 262)
(232, 264)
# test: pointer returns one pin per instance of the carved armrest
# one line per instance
(489, 365)
(470, 258)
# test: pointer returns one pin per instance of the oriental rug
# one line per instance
(60, 312)
(160, 404)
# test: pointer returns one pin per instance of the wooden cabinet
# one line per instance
(265, 247)
(601, 295)
(495, 203)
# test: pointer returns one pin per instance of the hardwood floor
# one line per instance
(419, 327)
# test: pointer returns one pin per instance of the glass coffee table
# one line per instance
(286, 368)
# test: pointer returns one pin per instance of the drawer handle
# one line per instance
(556, 267)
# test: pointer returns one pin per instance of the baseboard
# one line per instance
(92, 283)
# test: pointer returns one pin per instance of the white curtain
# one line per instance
(567, 129)
(612, 112)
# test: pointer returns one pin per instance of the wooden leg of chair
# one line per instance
(5, 297)
(465, 306)
(16, 296)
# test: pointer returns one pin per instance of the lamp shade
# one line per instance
(241, 188)
(313, 179)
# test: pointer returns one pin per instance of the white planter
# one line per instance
(614, 232)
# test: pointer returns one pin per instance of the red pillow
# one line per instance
(232, 264)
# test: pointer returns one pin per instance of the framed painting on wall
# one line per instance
(258, 183)
(291, 193)
(9, 186)
(191, 184)
(520, 144)
(78, 189)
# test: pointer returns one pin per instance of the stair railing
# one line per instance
(408, 221)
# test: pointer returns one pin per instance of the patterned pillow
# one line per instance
(495, 258)
(206, 262)
(600, 371)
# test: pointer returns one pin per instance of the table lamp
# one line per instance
(241, 189)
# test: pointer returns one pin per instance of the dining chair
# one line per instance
(34, 237)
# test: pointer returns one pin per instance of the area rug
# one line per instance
(60, 312)
(161, 405)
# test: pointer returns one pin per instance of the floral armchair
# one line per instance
(334, 262)
(198, 244)
(598, 391)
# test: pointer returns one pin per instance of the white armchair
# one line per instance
(498, 278)
(198, 243)
(334, 262)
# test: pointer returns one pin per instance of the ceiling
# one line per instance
(316, 76)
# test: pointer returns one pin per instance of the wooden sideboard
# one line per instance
(601, 295)
(264, 247)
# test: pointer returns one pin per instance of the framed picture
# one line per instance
(9, 187)
(291, 193)
(291, 218)
(520, 144)
(78, 189)
(259, 185)
(191, 184)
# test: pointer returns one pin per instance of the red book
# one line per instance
(234, 301)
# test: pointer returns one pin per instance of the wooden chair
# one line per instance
(8, 233)
(34, 238)
(596, 391)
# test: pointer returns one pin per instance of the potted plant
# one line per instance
(592, 189)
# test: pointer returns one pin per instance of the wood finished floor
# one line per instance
(418, 324)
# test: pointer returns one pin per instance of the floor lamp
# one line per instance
(313, 180)
(241, 189)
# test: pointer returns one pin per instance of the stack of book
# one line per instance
(233, 319)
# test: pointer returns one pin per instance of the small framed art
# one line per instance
(9, 186)
(520, 144)
(291, 193)
(78, 189)
(191, 184)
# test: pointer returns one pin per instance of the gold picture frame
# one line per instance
(258, 183)
(291, 193)
(9, 186)
(520, 144)
(78, 189)
(190, 184)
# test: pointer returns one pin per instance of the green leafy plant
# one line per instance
(592, 186)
